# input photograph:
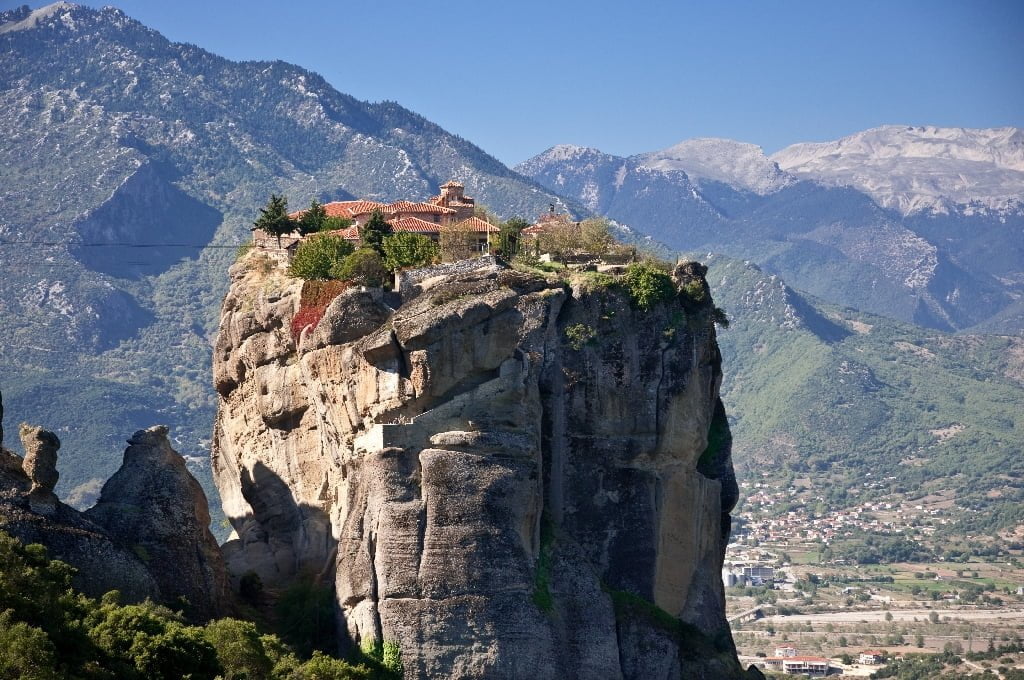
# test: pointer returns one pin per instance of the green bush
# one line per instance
(318, 257)
(580, 334)
(239, 648)
(323, 667)
(363, 267)
(47, 630)
(25, 651)
(403, 250)
(542, 573)
(694, 292)
(335, 223)
(648, 285)
(387, 654)
(305, 613)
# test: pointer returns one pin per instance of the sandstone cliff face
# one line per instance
(147, 537)
(507, 476)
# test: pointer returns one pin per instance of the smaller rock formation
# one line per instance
(40, 462)
(156, 508)
(147, 537)
(31, 512)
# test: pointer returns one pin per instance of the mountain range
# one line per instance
(843, 397)
(921, 224)
(133, 167)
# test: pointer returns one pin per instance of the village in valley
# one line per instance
(812, 590)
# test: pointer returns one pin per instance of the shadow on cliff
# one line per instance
(290, 547)
(146, 227)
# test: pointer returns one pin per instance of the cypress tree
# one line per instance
(314, 219)
(274, 218)
(373, 232)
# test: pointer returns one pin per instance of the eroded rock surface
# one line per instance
(147, 537)
(153, 505)
(40, 462)
(508, 476)
(31, 513)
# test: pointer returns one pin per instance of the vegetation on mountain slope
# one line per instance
(866, 407)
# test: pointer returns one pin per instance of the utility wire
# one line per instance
(115, 244)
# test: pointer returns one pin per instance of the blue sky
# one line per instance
(516, 77)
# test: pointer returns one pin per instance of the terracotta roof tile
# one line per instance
(475, 224)
(349, 233)
(352, 208)
(414, 225)
(410, 207)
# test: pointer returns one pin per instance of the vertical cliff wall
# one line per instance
(507, 475)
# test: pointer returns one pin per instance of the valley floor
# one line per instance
(831, 610)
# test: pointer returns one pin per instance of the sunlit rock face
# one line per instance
(507, 475)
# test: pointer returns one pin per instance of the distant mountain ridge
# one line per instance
(920, 224)
(920, 169)
(131, 169)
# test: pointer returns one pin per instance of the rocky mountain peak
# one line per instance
(737, 164)
(563, 154)
(915, 169)
(24, 18)
(155, 505)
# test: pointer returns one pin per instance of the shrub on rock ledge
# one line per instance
(319, 256)
(648, 285)
(364, 267)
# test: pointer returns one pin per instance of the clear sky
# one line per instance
(518, 76)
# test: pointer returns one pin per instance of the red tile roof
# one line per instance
(352, 208)
(414, 225)
(475, 224)
(349, 233)
(348, 209)
(410, 207)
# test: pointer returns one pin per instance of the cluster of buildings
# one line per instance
(748, 575)
(786, 659)
(451, 210)
(765, 520)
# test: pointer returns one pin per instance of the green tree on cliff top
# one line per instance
(274, 218)
(373, 232)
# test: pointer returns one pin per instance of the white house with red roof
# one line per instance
(870, 657)
(794, 665)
